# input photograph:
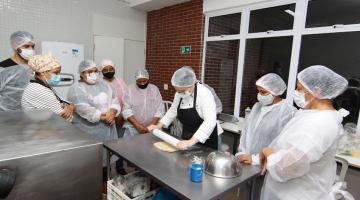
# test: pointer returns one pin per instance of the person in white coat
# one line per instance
(300, 162)
(195, 107)
(265, 122)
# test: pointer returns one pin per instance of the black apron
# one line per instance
(191, 122)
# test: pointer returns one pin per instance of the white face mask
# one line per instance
(299, 98)
(265, 100)
(184, 94)
(27, 53)
(91, 78)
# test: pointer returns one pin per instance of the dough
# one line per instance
(163, 146)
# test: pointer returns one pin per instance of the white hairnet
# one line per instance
(183, 77)
(86, 64)
(106, 62)
(322, 82)
(272, 83)
(13, 81)
(141, 73)
(19, 38)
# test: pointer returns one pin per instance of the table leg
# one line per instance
(108, 156)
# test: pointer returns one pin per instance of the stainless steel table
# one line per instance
(170, 169)
(52, 158)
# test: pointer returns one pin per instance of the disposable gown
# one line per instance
(143, 104)
(303, 165)
(13, 81)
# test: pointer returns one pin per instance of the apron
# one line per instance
(191, 122)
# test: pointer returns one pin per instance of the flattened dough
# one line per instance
(163, 146)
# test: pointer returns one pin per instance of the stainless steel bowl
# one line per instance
(222, 164)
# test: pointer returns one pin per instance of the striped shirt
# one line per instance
(36, 96)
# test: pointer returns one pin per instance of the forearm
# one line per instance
(155, 120)
(133, 121)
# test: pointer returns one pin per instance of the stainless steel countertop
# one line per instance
(21, 136)
(170, 169)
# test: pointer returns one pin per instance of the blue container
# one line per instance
(196, 172)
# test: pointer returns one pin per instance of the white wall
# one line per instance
(213, 5)
(73, 21)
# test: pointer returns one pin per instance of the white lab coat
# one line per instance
(303, 165)
(205, 107)
(262, 126)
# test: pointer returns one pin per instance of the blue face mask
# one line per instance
(55, 80)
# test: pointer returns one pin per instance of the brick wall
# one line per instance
(167, 30)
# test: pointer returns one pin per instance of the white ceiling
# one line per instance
(149, 5)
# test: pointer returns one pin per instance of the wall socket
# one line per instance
(166, 86)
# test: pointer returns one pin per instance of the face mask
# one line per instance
(54, 80)
(109, 75)
(142, 86)
(184, 94)
(265, 100)
(27, 53)
(91, 78)
(299, 98)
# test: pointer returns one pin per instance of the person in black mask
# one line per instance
(142, 105)
(118, 85)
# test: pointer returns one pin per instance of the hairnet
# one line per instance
(86, 64)
(43, 63)
(106, 62)
(141, 73)
(272, 83)
(183, 77)
(19, 38)
(13, 81)
(322, 82)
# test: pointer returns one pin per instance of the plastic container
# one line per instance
(113, 193)
(196, 169)
(115, 189)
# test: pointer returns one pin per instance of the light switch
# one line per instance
(166, 87)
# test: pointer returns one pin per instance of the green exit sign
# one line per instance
(185, 49)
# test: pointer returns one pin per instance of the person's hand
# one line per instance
(119, 121)
(68, 111)
(157, 126)
(109, 117)
(185, 144)
(245, 158)
(264, 154)
(142, 129)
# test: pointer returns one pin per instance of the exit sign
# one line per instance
(185, 49)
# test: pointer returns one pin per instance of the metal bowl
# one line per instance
(222, 164)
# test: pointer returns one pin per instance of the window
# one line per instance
(220, 70)
(263, 55)
(331, 12)
(225, 25)
(275, 19)
(339, 52)
(303, 33)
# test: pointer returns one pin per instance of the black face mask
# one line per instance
(109, 75)
(142, 86)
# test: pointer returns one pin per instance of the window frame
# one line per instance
(299, 30)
